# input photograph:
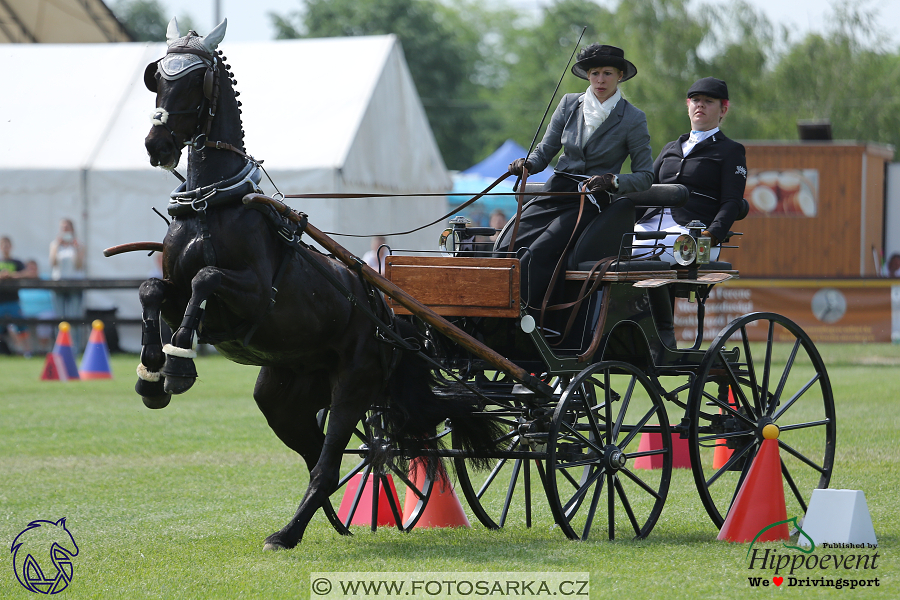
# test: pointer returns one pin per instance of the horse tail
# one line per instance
(415, 411)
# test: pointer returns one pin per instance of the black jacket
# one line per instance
(715, 172)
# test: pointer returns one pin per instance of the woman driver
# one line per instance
(596, 130)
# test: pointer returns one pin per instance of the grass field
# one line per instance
(176, 503)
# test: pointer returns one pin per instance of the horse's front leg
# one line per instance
(150, 383)
(179, 370)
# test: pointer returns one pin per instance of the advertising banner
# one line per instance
(827, 310)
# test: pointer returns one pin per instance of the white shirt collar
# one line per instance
(695, 138)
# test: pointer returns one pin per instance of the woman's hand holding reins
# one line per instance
(517, 166)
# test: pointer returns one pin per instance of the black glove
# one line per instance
(602, 183)
(516, 166)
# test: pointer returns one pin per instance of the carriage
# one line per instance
(612, 400)
(367, 376)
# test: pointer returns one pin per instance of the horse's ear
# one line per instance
(172, 32)
(214, 37)
(150, 76)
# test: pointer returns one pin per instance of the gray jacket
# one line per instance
(623, 133)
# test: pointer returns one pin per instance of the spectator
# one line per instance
(892, 266)
(497, 221)
(376, 256)
(67, 262)
(11, 268)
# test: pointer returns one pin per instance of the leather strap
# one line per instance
(562, 259)
(520, 201)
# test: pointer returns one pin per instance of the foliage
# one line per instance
(487, 73)
(146, 19)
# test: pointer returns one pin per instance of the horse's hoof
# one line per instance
(276, 542)
(178, 385)
(180, 374)
(270, 547)
(153, 393)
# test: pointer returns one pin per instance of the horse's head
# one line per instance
(186, 84)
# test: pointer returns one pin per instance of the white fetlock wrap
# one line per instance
(146, 375)
(179, 352)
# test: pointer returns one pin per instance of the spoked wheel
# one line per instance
(505, 491)
(364, 502)
(740, 388)
(594, 440)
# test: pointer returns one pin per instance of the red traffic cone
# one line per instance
(54, 369)
(722, 452)
(95, 362)
(363, 513)
(760, 501)
(681, 452)
(443, 508)
(63, 349)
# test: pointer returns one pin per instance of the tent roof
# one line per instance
(59, 21)
(300, 111)
(494, 165)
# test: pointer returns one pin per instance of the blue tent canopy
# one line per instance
(497, 163)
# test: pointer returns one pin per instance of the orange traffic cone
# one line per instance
(760, 501)
(363, 513)
(443, 508)
(722, 452)
(95, 362)
(63, 349)
(681, 452)
(54, 368)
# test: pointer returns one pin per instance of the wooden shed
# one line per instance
(816, 209)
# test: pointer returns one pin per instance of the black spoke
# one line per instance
(576, 498)
(509, 491)
(790, 480)
(627, 506)
(357, 496)
(735, 456)
(796, 396)
(638, 427)
(784, 377)
(641, 483)
(591, 512)
(751, 371)
(787, 448)
(626, 400)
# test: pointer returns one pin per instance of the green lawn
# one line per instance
(176, 503)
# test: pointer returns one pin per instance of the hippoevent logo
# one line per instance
(804, 567)
(42, 556)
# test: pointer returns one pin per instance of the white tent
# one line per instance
(325, 115)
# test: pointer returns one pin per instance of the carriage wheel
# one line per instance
(593, 443)
(740, 388)
(369, 433)
(504, 492)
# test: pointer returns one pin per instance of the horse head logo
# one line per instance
(42, 556)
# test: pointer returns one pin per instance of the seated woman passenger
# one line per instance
(711, 166)
(597, 130)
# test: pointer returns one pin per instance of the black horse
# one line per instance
(229, 280)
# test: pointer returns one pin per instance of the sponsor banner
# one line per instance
(840, 311)
(783, 193)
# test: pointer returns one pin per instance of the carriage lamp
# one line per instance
(692, 246)
(459, 238)
(451, 238)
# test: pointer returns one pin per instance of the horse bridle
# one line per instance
(210, 98)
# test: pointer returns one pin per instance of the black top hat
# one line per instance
(709, 86)
(596, 55)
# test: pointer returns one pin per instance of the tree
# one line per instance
(146, 19)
